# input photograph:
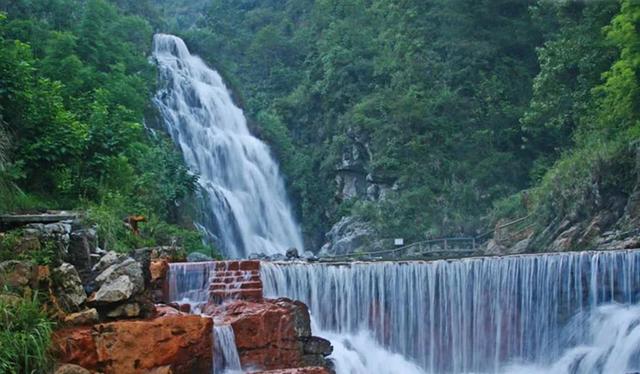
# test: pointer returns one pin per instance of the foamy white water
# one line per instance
(226, 359)
(612, 344)
(245, 207)
(543, 313)
(359, 353)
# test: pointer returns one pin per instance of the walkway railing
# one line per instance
(464, 245)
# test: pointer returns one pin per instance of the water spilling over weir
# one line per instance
(480, 315)
(549, 313)
(244, 203)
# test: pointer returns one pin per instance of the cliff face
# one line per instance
(598, 211)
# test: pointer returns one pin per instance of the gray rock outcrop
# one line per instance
(350, 235)
(69, 287)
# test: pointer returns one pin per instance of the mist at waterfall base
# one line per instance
(244, 204)
(549, 313)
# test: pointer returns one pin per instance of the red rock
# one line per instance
(265, 333)
(173, 343)
(158, 269)
(229, 286)
(167, 310)
(238, 265)
(185, 308)
(75, 346)
(236, 280)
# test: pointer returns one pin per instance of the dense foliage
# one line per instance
(75, 83)
(465, 111)
(458, 104)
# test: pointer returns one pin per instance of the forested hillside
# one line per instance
(428, 118)
(418, 118)
(75, 87)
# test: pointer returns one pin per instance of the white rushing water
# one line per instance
(545, 313)
(245, 207)
(360, 353)
(189, 283)
(613, 344)
(226, 359)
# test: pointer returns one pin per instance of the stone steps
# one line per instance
(251, 294)
(239, 279)
(236, 286)
(235, 280)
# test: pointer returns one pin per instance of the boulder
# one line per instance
(27, 243)
(315, 345)
(158, 270)
(520, 247)
(116, 290)
(493, 248)
(171, 344)
(15, 275)
(158, 285)
(350, 235)
(166, 310)
(198, 257)
(128, 310)
(75, 345)
(109, 259)
(292, 253)
(82, 243)
(85, 317)
(300, 313)
(68, 287)
(112, 279)
(271, 334)
(264, 332)
(71, 369)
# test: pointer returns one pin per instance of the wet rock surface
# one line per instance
(180, 343)
(273, 334)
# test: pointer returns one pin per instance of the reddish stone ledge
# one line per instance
(269, 335)
(174, 343)
(246, 265)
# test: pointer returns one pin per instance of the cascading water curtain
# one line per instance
(244, 202)
(471, 315)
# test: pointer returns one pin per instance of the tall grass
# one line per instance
(25, 336)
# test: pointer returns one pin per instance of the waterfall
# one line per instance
(244, 204)
(189, 283)
(479, 315)
(226, 354)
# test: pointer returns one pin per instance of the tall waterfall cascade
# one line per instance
(549, 313)
(244, 203)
